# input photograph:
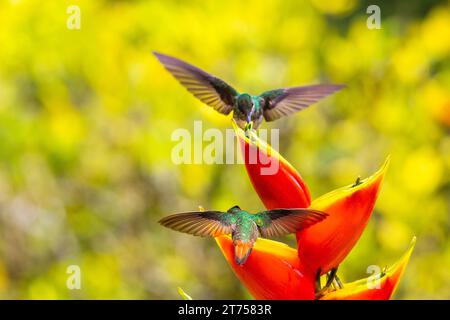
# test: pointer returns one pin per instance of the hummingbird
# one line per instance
(243, 226)
(248, 110)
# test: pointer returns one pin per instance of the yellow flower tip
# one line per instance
(389, 281)
(385, 165)
(183, 294)
(395, 272)
(377, 176)
(398, 268)
(375, 179)
(252, 139)
(268, 246)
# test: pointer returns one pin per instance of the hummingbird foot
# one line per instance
(318, 285)
(330, 277)
(332, 281)
(337, 282)
(357, 182)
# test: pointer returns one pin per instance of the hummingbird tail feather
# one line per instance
(242, 251)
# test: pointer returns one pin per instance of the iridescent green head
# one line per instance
(235, 209)
(245, 105)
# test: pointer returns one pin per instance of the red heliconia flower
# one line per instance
(275, 271)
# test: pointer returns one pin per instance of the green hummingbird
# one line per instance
(243, 226)
(248, 110)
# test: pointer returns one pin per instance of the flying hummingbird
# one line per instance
(248, 110)
(243, 226)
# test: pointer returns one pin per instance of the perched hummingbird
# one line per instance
(243, 226)
(248, 110)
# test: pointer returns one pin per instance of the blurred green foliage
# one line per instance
(86, 118)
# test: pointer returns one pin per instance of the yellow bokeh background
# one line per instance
(86, 118)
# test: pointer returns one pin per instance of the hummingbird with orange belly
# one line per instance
(243, 226)
(248, 110)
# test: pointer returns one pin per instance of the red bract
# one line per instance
(283, 188)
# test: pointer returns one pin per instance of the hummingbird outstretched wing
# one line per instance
(211, 90)
(280, 222)
(285, 101)
(206, 223)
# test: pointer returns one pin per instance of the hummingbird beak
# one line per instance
(241, 251)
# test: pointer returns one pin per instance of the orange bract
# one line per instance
(366, 289)
(271, 272)
(326, 244)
